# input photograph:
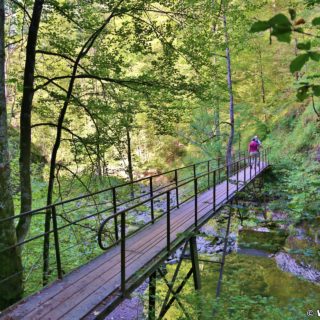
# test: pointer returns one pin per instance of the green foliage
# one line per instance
(283, 29)
(299, 62)
(280, 27)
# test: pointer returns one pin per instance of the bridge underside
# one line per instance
(93, 290)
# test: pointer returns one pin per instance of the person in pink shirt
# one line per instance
(253, 150)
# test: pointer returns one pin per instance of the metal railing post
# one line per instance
(227, 182)
(56, 242)
(194, 171)
(114, 203)
(168, 222)
(255, 165)
(245, 170)
(123, 252)
(237, 175)
(219, 173)
(208, 174)
(177, 189)
(259, 162)
(250, 161)
(214, 191)
(196, 202)
(151, 201)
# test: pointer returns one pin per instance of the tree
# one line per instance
(11, 267)
(283, 28)
(25, 121)
(224, 5)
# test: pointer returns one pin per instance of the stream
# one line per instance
(267, 266)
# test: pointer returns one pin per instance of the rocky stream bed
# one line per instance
(279, 252)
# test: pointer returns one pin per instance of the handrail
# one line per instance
(159, 195)
(45, 208)
(235, 165)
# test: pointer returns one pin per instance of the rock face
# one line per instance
(131, 308)
(286, 263)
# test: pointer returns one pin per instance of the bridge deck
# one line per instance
(79, 294)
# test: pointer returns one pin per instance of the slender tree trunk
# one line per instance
(231, 104)
(216, 119)
(11, 288)
(25, 121)
(129, 154)
(263, 90)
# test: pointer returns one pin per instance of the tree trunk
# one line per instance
(11, 288)
(263, 90)
(129, 154)
(25, 121)
(231, 104)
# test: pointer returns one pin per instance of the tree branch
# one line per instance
(91, 76)
(22, 7)
(61, 55)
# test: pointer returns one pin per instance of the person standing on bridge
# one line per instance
(253, 150)
(257, 140)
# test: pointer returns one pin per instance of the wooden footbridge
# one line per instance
(93, 290)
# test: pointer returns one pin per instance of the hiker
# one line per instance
(257, 140)
(254, 150)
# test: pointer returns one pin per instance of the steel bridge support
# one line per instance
(224, 253)
(152, 296)
(195, 263)
(172, 294)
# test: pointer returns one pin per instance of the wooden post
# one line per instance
(195, 263)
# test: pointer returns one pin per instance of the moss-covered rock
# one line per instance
(271, 241)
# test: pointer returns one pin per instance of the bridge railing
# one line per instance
(212, 178)
(109, 215)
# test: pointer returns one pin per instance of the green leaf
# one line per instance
(315, 56)
(302, 93)
(280, 20)
(316, 21)
(297, 63)
(316, 90)
(293, 14)
(304, 46)
(283, 37)
(281, 27)
(260, 26)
